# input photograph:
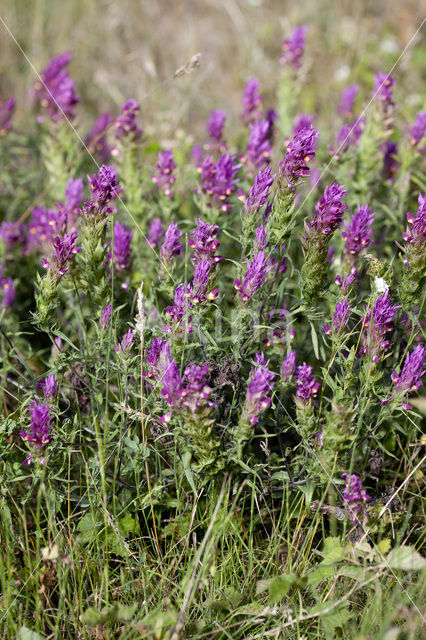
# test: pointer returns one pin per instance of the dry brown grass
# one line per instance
(131, 48)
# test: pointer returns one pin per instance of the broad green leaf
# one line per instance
(27, 634)
(279, 586)
(405, 558)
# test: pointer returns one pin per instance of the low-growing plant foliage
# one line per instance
(210, 359)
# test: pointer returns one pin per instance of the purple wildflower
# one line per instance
(303, 121)
(379, 323)
(307, 386)
(340, 317)
(348, 280)
(390, 159)
(6, 111)
(218, 179)
(12, 234)
(122, 251)
(104, 187)
(7, 289)
(258, 389)
(195, 391)
(292, 49)
(261, 239)
(410, 378)
(171, 245)
(348, 136)
(200, 283)
(300, 151)
(270, 118)
(354, 496)
(258, 151)
(64, 250)
(73, 194)
(126, 125)
(42, 227)
(203, 242)
(40, 424)
(254, 278)
(252, 101)
(181, 305)
(346, 105)
(417, 233)
(126, 343)
(288, 366)
(164, 178)
(357, 235)
(418, 130)
(96, 138)
(329, 209)
(215, 125)
(169, 377)
(56, 90)
(153, 355)
(155, 232)
(105, 319)
(49, 386)
(383, 88)
(258, 192)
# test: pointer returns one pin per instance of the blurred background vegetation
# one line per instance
(131, 48)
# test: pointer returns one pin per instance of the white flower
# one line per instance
(381, 285)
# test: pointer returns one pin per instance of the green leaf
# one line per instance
(333, 551)
(320, 573)
(384, 545)
(279, 587)
(128, 525)
(26, 634)
(116, 613)
(186, 459)
(405, 558)
(315, 341)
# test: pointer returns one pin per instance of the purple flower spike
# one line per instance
(218, 179)
(379, 325)
(307, 386)
(200, 284)
(259, 191)
(418, 130)
(126, 124)
(348, 136)
(96, 138)
(105, 319)
(122, 250)
(169, 377)
(12, 234)
(254, 278)
(346, 105)
(215, 125)
(292, 49)
(56, 91)
(303, 121)
(383, 88)
(354, 496)
(300, 152)
(171, 245)
(7, 289)
(104, 186)
(252, 101)
(329, 209)
(155, 232)
(261, 239)
(64, 250)
(126, 343)
(40, 425)
(288, 367)
(417, 233)
(357, 234)
(6, 112)
(341, 315)
(410, 378)
(258, 390)
(49, 386)
(204, 243)
(73, 194)
(181, 305)
(164, 177)
(153, 355)
(258, 151)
